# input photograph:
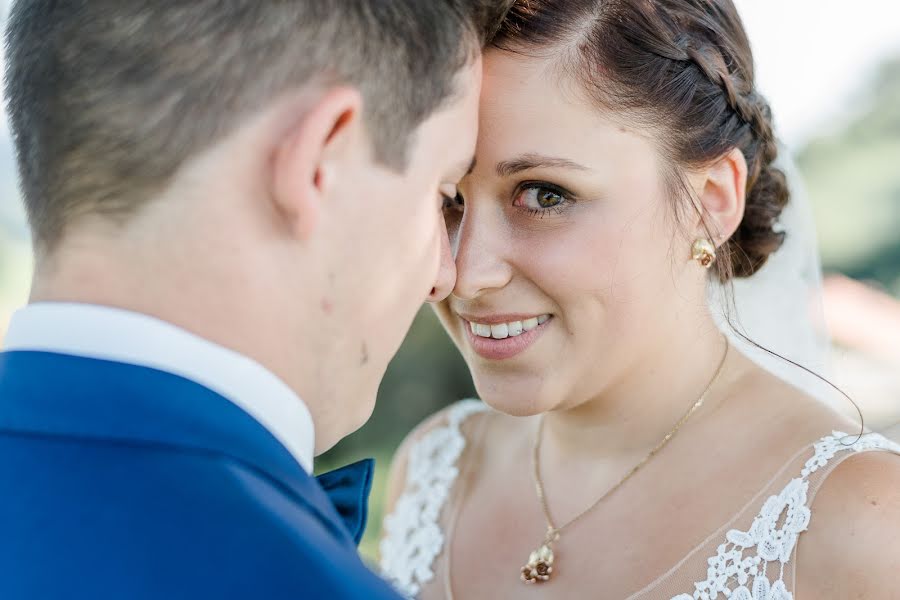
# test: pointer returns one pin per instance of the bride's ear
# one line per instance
(723, 196)
(311, 155)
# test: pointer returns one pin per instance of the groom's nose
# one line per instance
(446, 277)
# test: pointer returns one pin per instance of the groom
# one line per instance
(235, 209)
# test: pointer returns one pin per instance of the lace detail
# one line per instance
(740, 569)
(413, 536)
(749, 565)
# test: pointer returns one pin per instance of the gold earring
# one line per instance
(704, 252)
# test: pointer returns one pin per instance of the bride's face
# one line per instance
(566, 247)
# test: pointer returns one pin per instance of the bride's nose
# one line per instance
(481, 256)
(446, 277)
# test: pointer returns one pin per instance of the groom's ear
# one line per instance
(723, 195)
(310, 155)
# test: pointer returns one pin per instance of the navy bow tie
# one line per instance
(348, 489)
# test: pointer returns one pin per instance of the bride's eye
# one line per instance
(538, 198)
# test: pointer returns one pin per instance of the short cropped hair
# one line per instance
(108, 98)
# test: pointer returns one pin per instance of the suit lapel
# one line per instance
(61, 395)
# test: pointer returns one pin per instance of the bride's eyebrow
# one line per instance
(535, 161)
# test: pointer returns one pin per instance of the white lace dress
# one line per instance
(748, 558)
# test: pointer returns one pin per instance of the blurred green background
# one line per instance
(853, 177)
(851, 168)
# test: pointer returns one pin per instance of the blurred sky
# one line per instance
(815, 56)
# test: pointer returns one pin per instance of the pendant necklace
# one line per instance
(540, 562)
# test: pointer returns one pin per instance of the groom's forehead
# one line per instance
(452, 130)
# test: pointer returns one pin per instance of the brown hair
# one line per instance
(683, 68)
(107, 98)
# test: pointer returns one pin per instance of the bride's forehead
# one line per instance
(537, 93)
(599, 144)
(535, 75)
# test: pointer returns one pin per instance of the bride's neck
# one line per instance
(634, 414)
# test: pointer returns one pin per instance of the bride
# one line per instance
(626, 449)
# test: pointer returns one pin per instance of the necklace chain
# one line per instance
(553, 532)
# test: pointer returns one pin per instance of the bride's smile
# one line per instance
(501, 337)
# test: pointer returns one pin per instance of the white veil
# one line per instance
(780, 307)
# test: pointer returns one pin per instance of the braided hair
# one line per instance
(684, 68)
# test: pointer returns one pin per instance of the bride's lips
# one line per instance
(503, 349)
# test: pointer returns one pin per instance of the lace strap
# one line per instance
(413, 537)
(741, 568)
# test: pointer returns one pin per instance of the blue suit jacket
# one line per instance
(118, 481)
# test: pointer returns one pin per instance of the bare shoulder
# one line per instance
(852, 547)
(786, 415)
(437, 421)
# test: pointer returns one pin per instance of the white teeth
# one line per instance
(501, 331)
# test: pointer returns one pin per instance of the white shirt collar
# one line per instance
(122, 336)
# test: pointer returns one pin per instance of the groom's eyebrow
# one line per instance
(534, 161)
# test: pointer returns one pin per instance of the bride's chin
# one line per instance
(511, 401)
(515, 409)
(518, 389)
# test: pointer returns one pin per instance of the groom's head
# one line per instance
(267, 173)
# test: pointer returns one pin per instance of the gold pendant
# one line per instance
(540, 562)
